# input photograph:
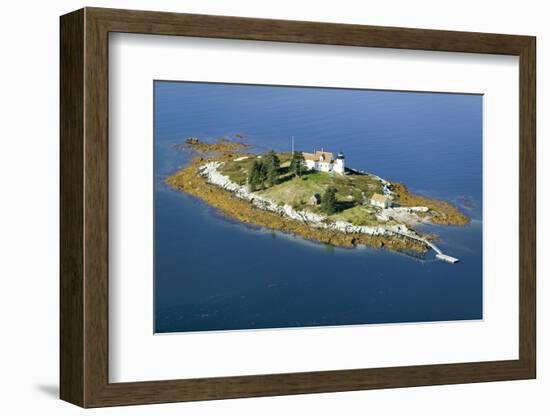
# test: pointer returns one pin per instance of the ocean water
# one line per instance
(213, 273)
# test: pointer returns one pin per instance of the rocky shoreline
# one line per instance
(192, 179)
(202, 178)
(211, 174)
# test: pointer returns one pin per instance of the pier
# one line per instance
(439, 254)
(447, 258)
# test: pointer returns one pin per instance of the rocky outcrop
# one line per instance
(386, 185)
(407, 215)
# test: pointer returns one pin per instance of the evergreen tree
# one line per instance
(272, 163)
(272, 175)
(263, 173)
(297, 163)
(254, 176)
(273, 159)
(328, 201)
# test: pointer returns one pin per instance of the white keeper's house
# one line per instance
(324, 161)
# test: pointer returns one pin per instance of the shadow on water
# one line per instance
(414, 255)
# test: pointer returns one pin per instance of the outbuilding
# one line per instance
(379, 200)
(315, 199)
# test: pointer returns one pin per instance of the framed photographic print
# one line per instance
(255, 207)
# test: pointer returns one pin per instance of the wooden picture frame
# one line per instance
(84, 207)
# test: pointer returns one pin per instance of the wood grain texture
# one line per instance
(84, 207)
(96, 208)
(71, 213)
(225, 27)
(528, 207)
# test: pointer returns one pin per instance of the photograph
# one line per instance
(306, 206)
(244, 208)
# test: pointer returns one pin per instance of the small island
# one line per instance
(312, 195)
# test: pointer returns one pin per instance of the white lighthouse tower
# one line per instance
(339, 166)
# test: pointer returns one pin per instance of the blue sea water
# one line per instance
(213, 273)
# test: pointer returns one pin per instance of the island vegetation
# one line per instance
(276, 190)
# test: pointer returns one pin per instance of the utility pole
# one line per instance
(292, 144)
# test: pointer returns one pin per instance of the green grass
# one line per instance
(352, 189)
(357, 215)
(237, 171)
(297, 190)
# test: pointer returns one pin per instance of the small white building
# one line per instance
(324, 162)
(379, 200)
